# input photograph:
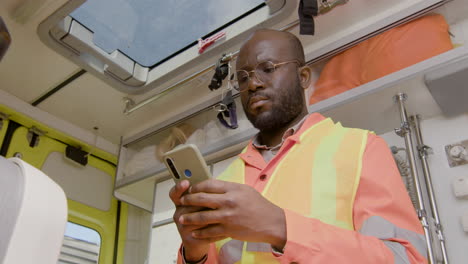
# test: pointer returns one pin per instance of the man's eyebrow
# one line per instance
(245, 66)
(261, 59)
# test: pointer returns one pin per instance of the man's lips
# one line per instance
(257, 101)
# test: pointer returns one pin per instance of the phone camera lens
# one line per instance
(188, 173)
(172, 167)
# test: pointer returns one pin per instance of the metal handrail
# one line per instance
(423, 153)
(405, 131)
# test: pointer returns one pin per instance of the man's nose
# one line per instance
(254, 82)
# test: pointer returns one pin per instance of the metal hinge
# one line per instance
(326, 6)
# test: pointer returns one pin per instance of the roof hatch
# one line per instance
(136, 45)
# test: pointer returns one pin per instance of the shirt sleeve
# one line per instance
(211, 257)
(387, 230)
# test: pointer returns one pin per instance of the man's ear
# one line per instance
(305, 76)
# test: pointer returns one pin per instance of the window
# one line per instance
(80, 245)
(149, 32)
(135, 46)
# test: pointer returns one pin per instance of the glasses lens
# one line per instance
(235, 84)
(242, 77)
(264, 70)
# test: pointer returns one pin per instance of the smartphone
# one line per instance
(185, 162)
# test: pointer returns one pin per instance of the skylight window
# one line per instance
(150, 32)
(137, 45)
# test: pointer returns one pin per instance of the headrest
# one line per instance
(34, 214)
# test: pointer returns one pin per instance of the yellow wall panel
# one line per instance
(102, 221)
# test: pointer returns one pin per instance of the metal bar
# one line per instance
(423, 153)
(405, 132)
(290, 26)
(58, 87)
(162, 222)
(166, 91)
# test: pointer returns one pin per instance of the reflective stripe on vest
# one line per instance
(317, 178)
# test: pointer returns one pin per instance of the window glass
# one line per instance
(152, 31)
(80, 245)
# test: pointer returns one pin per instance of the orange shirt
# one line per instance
(380, 193)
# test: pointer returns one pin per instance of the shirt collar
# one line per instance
(253, 157)
(291, 131)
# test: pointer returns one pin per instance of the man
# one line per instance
(305, 190)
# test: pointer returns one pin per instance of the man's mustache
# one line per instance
(260, 94)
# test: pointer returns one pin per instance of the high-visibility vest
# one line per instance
(317, 178)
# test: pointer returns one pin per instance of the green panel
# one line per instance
(35, 156)
(29, 122)
(102, 221)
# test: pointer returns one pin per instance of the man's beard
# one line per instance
(285, 108)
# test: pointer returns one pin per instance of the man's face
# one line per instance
(274, 102)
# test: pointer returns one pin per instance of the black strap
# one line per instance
(221, 72)
(229, 112)
(307, 10)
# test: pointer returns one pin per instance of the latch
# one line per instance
(77, 155)
(457, 153)
(34, 135)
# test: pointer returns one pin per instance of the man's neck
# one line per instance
(273, 138)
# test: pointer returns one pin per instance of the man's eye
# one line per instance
(241, 78)
(268, 69)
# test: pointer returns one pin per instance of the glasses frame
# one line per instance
(254, 71)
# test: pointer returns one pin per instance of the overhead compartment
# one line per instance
(369, 105)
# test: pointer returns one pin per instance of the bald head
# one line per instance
(290, 45)
(273, 94)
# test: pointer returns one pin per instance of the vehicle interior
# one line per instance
(94, 92)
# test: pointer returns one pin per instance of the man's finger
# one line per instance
(212, 239)
(178, 190)
(202, 218)
(212, 186)
(211, 231)
(190, 209)
(208, 200)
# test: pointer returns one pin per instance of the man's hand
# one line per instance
(194, 248)
(238, 211)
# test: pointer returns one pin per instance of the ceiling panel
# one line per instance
(88, 102)
(29, 68)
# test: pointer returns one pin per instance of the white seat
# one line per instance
(33, 214)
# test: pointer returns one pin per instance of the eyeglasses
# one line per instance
(263, 72)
